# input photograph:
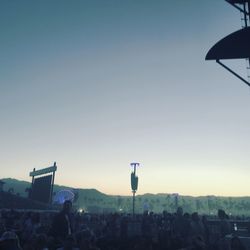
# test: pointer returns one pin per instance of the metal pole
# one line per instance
(234, 73)
(248, 5)
(32, 185)
(52, 185)
(133, 203)
(236, 6)
(245, 14)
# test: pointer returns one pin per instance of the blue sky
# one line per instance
(95, 85)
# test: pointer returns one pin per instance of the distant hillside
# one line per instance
(93, 200)
(20, 187)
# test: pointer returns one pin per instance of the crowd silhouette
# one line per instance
(70, 230)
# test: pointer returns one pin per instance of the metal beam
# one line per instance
(238, 8)
(43, 171)
(234, 73)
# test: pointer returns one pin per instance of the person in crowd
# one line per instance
(198, 243)
(68, 244)
(31, 225)
(197, 228)
(9, 241)
(181, 226)
(62, 224)
(224, 230)
(40, 242)
(236, 244)
(2, 227)
(207, 232)
(224, 225)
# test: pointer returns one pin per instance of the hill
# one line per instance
(93, 200)
(19, 187)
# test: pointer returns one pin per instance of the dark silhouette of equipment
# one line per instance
(42, 187)
(134, 182)
(237, 44)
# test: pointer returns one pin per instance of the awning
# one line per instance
(233, 46)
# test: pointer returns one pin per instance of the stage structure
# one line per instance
(134, 183)
(42, 187)
(237, 44)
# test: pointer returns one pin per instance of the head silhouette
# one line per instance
(67, 205)
(221, 214)
(179, 211)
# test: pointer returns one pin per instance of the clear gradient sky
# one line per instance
(95, 85)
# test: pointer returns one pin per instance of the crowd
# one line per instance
(65, 230)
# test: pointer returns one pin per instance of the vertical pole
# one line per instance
(133, 203)
(248, 19)
(52, 185)
(248, 8)
(134, 188)
(32, 185)
(245, 14)
(134, 194)
(248, 5)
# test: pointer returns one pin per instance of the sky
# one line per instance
(95, 85)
